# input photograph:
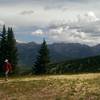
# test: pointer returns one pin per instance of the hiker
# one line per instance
(7, 68)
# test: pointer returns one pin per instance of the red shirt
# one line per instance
(7, 66)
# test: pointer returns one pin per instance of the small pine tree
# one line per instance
(43, 60)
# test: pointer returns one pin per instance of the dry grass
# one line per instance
(54, 87)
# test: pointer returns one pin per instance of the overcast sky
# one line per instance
(55, 20)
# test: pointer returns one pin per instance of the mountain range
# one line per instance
(58, 52)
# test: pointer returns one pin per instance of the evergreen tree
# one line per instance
(11, 49)
(43, 60)
(3, 46)
(0, 53)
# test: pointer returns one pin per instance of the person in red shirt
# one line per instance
(7, 68)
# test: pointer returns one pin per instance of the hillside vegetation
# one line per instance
(90, 64)
(58, 87)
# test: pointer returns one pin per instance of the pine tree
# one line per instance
(11, 49)
(3, 46)
(43, 60)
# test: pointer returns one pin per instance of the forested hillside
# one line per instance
(90, 64)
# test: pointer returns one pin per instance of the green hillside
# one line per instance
(90, 64)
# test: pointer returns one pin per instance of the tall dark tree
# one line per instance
(3, 46)
(43, 59)
(11, 48)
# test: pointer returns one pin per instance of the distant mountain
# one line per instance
(27, 53)
(58, 52)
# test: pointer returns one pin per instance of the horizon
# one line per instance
(68, 21)
(21, 42)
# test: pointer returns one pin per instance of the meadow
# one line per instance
(51, 87)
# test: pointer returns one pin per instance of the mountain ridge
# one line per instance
(58, 52)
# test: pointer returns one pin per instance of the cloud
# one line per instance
(84, 29)
(1, 23)
(18, 41)
(11, 9)
(88, 17)
(47, 4)
(27, 12)
(56, 31)
(77, 23)
(74, 36)
(38, 32)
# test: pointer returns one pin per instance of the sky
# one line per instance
(68, 21)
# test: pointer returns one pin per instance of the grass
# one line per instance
(53, 87)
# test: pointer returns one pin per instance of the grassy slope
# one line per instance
(58, 87)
